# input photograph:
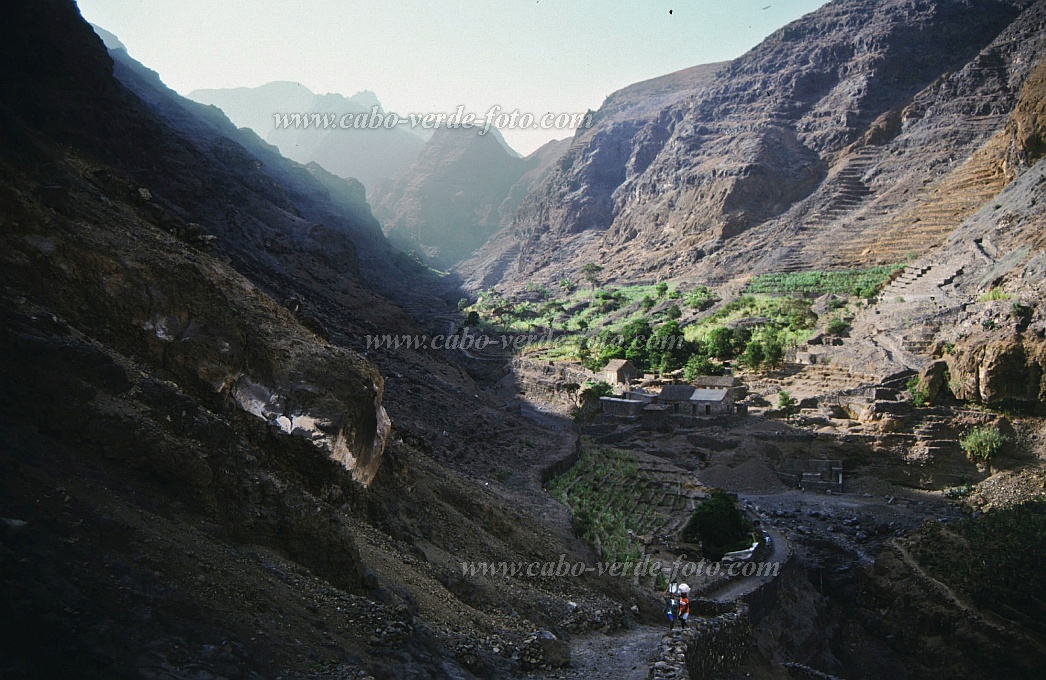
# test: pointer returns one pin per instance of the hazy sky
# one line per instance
(420, 56)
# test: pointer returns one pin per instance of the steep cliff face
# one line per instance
(813, 137)
(198, 475)
(579, 193)
(196, 322)
(135, 285)
(1028, 125)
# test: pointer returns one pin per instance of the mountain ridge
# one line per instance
(369, 156)
(759, 140)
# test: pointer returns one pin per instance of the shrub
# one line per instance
(785, 401)
(699, 364)
(754, 355)
(980, 444)
(836, 327)
(591, 272)
(1022, 314)
(673, 312)
(773, 351)
(698, 297)
(606, 301)
(719, 525)
(920, 395)
(720, 343)
(993, 295)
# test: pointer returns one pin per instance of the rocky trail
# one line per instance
(627, 655)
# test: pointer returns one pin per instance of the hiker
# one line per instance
(671, 601)
(684, 604)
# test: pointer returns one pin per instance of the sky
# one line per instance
(432, 56)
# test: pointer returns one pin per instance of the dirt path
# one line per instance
(629, 654)
(738, 588)
(947, 593)
(624, 655)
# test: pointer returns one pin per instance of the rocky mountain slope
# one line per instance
(458, 192)
(839, 128)
(205, 470)
(971, 299)
(369, 156)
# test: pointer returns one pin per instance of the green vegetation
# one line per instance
(720, 527)
(665, 349)
(699, 297)
(785, 401)
(588, 397)
(772, 324)
(993, 295)
(591, 272)
(996, 560)
(698, 365)
(1022, 314)
(958, 492)
(836, 327)
(863, 283)
(595, 325)
(980, 444)
(920, 395)
(602, 515)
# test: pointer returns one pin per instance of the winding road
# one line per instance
(629, 654)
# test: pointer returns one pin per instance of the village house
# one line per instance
(619, 372)
(687, 400)
(738, 390)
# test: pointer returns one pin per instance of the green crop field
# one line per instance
(861, 282)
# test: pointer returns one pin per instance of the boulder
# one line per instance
(555, 651)
(932, 379)
(543, 649)
(996, 369)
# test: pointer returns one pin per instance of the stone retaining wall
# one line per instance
(565, 462)
(718, 638)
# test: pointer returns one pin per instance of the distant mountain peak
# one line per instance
(110, 41)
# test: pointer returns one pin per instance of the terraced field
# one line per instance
(624, 501)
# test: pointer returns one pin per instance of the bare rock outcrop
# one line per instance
(1000, 370)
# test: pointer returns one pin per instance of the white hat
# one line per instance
(684, 588)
